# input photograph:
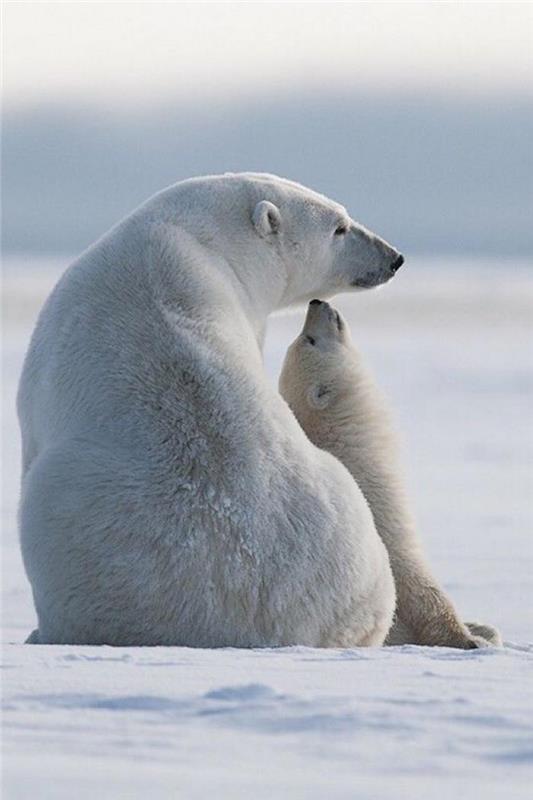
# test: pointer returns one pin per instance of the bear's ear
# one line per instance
(266, 218)
(319, 395)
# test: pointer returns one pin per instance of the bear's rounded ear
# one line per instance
(266, 218)
(319, 396)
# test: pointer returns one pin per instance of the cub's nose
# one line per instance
(315, 302)
(395, 266)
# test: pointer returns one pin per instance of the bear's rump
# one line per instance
(121, 557)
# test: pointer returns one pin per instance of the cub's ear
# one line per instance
(266, 218)
(319, 395)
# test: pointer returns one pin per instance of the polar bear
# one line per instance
(169, 496)
(341, 410)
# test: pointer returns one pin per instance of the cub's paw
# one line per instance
(484, 635)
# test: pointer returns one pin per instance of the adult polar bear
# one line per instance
(169, 496)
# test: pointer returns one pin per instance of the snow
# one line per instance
(450, 343)
(413, 722)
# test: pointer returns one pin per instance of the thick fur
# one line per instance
(169, 496)
(341, 410)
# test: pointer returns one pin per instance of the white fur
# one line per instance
(169, 496)
(341, 410)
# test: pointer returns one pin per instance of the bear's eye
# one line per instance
(341, 229)
(310, 339)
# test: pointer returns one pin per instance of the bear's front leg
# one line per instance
(426, 616)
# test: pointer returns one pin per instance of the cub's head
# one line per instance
(319, 364)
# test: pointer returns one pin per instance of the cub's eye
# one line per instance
(341, 229)
(310, 339)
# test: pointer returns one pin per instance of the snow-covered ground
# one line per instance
(450, 342)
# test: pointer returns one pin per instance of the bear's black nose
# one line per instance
(395, 266)
(315, 302)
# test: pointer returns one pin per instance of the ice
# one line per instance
(450, 343)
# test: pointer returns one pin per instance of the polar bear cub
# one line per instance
(340, 409)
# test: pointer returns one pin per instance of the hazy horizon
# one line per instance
(427, 173)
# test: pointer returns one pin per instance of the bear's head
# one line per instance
(318, 370)
(325, 251)
(286, 243)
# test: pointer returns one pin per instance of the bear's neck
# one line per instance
(239, 292)
(260, 288)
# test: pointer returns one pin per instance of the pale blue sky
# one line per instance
(417, 116)
(139, 52)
